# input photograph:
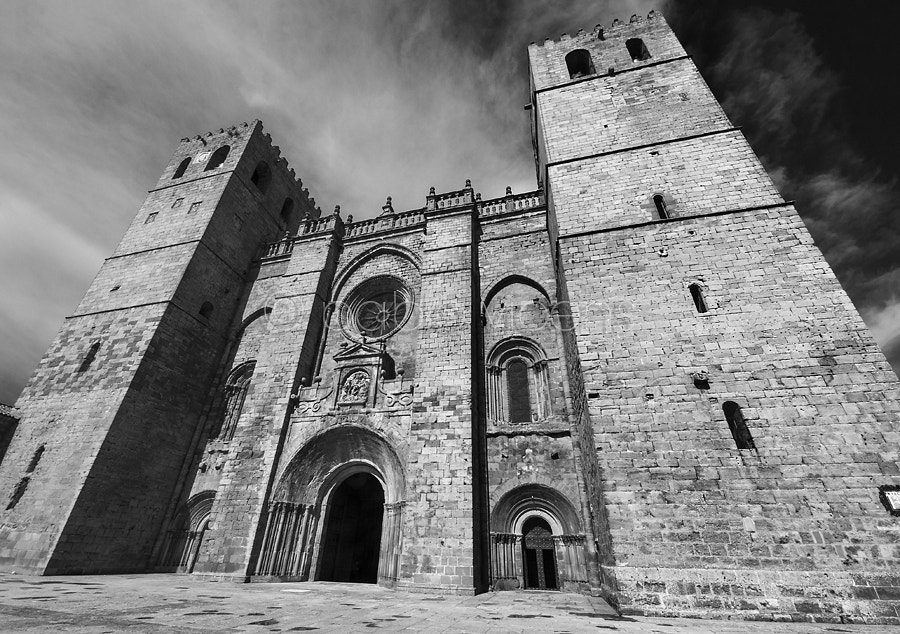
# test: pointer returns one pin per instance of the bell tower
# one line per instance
(718, 369)
(110, 415)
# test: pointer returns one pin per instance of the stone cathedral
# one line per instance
(640, 381)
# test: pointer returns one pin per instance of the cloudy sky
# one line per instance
(372, 98)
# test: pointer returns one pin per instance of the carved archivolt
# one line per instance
(236, 388)
(518, 385)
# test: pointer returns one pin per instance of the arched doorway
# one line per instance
(344, 487)
(539, 555)
(537, 541)
(182, 546)
(352, 538)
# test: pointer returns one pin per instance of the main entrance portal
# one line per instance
(540, 555)
(352, 538)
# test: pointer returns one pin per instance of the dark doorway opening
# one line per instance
(352, 540)
(540, 555)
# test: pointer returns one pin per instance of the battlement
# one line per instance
(242, 148)
(606, 51)
(616, 29)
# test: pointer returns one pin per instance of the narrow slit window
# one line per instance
(35, 459)
(738, 425)
(182, 168)
(18, 492)
(579, 63)
(89, 357)
(637, 49)
(217, 158)
(151, 218)
(519, 394)
(662, 211)
(697, 296)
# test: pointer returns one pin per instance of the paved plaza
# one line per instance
(173, 603)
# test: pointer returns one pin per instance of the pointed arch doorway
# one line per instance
(352, 533)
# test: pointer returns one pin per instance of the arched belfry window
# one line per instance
(217, 158)
(287, 210)
(739, 430)
(182, 168)
(579, 63)
(236, 388)
(637, 49)
(518, 387)
(262, 175)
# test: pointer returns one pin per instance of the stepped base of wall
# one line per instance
(824, 596)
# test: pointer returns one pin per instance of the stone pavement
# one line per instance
(177, 603)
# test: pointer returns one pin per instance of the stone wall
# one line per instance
(701, 521)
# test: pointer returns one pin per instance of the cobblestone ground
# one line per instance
(170, 603)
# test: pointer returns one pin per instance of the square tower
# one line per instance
(738, 411)
(111, 413)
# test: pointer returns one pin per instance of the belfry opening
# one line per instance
(352, 539)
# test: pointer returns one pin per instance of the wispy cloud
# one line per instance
(366, 99)
(772, 78)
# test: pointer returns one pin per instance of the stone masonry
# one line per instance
(640, 381)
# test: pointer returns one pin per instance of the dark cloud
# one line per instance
(769, 66)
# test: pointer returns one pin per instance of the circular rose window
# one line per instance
(381, 314)
(377, 308)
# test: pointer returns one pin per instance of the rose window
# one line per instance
(381, 314)
(377, 308)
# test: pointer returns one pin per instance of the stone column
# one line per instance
(391, 544)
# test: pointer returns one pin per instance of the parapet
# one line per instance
(621, 46)
(236, 148)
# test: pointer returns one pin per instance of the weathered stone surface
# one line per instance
(640, 381)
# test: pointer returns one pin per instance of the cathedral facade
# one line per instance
(640, 380)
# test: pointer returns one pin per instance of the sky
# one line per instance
(374, 98)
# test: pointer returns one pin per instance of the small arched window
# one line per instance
(738, 425)
(518, 386)
(637, 49)
(89, 357)
(235, 394)
(261, 176)
(182, 168)
(579, 63)
(217, 158)
(517, 392)
(206, 310)
(697, 296)
(662, 211)
(287, 210)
